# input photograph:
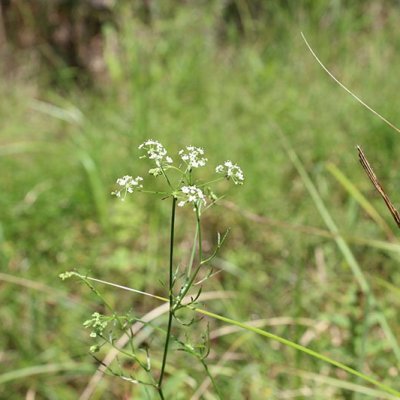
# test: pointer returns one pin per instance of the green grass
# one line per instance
(183, 82)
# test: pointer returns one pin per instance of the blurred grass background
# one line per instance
(84, 83)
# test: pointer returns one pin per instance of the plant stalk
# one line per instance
(170, 296)
(189, 284)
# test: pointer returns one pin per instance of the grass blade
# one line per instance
(44, 369)
(96, 186)
(376, 394)
(303, 349)
(265, 334)
(341, 243)
(360, 199)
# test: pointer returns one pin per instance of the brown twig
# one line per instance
(371, 175)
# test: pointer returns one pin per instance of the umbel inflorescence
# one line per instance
(186, 190)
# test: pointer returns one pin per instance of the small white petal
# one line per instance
(192, 156)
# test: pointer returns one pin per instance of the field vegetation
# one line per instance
(312, 254)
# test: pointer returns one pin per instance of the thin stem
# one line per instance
(215, 386)
(191, 261)
(160, 393)
(212, 181)
(189, 284)
(199, 228)
(155, 192)
(171, 297)
(166, 177)
(348, 90)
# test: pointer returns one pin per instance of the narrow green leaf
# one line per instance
(341, 243)
(360, 199)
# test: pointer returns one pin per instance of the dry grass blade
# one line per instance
(386, 121)
(371, 175)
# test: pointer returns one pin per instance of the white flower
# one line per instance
(193, 157)
(192, 194)
(231, 171)
(156, 151)
(127, 185)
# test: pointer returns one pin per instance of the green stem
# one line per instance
(189, 284)
(166, 177)
(171, 297)
(160, 393)
(210, 182)
(191, 261)
(212, 380)
(199, 228)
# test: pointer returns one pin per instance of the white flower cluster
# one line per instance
(192, 194)
(155, 151)
(193, 157)
(97, 323)
(128, 185)
(231, 171)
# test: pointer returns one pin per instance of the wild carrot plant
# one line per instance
(183, 188)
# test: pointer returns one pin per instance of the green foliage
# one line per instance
(190, 77)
